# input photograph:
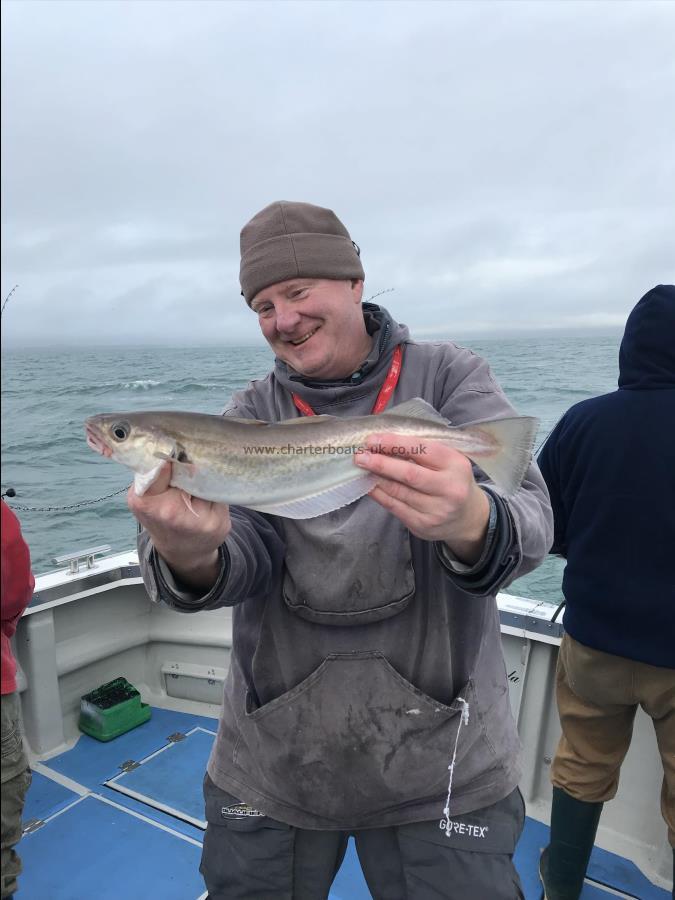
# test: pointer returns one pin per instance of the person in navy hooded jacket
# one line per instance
(609, 465)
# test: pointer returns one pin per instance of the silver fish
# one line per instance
(299, 468)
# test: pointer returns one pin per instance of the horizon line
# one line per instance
(171, 344)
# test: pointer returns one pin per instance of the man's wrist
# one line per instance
(501, 554)
(197, 573)
(455, 562)
(184, 596)
(470, 546)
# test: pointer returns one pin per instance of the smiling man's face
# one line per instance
(315, 325)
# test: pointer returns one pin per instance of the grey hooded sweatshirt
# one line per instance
(356, 646)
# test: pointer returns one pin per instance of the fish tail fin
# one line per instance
(512, 440)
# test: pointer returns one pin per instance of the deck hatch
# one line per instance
(170, 779)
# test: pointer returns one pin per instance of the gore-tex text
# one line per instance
(478, 831)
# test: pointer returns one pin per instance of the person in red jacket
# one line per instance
(17, 590)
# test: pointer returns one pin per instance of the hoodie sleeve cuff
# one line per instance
(180, 597)
(497, 560)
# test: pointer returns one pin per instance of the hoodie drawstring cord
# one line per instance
(445, 823)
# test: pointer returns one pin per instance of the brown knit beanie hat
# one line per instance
(295, 240)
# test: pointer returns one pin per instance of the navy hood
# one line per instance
(647, 353)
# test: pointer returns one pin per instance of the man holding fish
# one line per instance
(367, 693)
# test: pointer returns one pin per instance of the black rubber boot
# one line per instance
(564, 862)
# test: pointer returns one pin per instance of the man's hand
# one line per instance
(430, 487)
(188, 543)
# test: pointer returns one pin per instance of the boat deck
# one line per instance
(123, 819)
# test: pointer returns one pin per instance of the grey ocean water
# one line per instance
(47, 394)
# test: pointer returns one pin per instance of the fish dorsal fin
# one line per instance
(245, 421)
(416, 409)
(307, 420)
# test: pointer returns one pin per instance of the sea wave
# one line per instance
(190, 386)
(149, 384)
(142, 384)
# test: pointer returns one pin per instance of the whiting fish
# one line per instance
(299, 468)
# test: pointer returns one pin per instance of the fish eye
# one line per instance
(120, 431)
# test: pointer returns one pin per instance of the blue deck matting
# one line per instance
(110, 845)
(96, 850)
(611, 870)
(45, 798)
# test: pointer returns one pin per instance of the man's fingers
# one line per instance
(395, 469)
(404, 496)
(430, 454)
(162, 482)
(407, 514)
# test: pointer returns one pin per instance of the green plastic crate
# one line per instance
(111, 710)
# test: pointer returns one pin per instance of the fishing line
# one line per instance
(546, 437)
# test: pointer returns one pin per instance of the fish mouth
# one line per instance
(95, 441)
(300, 341)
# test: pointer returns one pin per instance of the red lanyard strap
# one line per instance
(385, 393)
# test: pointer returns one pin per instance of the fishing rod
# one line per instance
(379, 294)
(7, 299)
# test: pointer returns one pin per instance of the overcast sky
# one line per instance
(502, 165)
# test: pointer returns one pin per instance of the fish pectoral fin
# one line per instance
(143, 480)
(187, 500)
(187, 469)
(178, 452)
(180, 465)
(417, 409)
(307, 420)
(323, 502)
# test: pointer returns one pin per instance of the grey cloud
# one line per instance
(498, 162)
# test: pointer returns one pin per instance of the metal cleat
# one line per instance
(85, 556)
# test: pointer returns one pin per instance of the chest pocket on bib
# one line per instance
(349, 567)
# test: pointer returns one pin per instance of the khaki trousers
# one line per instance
(16, 778)
(598, 695)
